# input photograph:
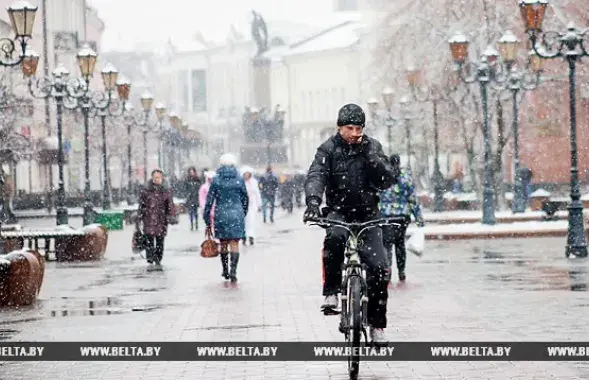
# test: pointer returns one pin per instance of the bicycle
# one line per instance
(354, 290)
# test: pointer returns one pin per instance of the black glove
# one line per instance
(312, 210)
(370, 152)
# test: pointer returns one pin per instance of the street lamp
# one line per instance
(160, 112)
(389, 120)
(146, 103)
(569, 45)
(22, 19)
(171, 134)
(483, 74)
(130, 120)
(99, 102)
(516, 82)
(62, 89)
(404, 102)
(414, 79)
(110, 77)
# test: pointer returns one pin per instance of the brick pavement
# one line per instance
(479, 290)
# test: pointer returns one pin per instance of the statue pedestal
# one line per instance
(261, 84)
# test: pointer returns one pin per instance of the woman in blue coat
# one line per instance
(229, 195)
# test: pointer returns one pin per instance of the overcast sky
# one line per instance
(139, 21)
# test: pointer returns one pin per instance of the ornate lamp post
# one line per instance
(413, 79)
(130, 120)
(146, 103)
(60, 87)
(22, 19)
(481, 73)
(389, 120)
(103, 109)
(160, 112)
(571, 46)
(175, 122)
(518, 81)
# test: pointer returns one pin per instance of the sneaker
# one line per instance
(402, 276)
(378, 337)
(331, 303)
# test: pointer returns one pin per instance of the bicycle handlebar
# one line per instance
(325, 223)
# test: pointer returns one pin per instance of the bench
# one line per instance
(63, 243)
(551, 207)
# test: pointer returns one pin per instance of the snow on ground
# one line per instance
(479, 228)
(477, 214)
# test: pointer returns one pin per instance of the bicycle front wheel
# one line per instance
(355, 322)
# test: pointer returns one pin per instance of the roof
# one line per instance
(335, 37)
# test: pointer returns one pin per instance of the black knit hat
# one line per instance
(351, 114)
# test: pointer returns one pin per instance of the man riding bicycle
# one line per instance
(352, 169)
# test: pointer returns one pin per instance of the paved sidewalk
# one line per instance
(480, 290)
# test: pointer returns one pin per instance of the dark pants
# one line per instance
(372, 254)
(395, 236)
(193, 214)
(155, 248)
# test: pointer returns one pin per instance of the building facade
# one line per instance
(312, 79)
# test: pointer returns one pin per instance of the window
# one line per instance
(199, 90)
(183, 88)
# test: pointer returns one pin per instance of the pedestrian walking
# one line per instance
(399, 200)
(229, 195)
(268, 187)
(192, 184)
(204, 191)
(287, 192)
(254, 204)
(156, 210)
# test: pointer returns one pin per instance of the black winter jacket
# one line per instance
(350, 175)
(191, 189)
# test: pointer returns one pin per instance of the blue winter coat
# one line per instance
(229, 195)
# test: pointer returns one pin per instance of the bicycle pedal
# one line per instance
(330, 311)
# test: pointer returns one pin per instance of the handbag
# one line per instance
(139, 242)
(209, 248)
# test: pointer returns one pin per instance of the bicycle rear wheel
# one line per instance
(354, 334)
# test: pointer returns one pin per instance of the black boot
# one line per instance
(225, 264)
(251, 241)
(243, 241)
(234, 261)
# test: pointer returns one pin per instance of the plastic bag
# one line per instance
(416, 242)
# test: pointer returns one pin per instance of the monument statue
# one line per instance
(259, 33)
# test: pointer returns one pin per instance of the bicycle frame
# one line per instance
(352, 265)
